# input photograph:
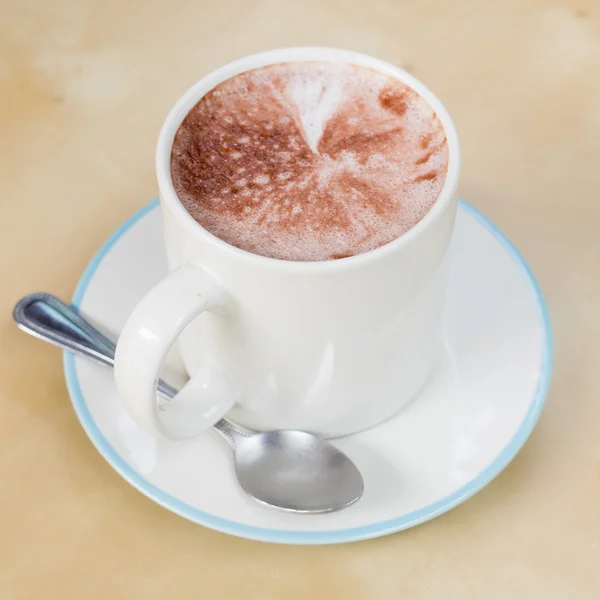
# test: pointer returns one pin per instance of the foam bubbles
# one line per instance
(309, 161)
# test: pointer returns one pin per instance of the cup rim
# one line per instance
(295, 54)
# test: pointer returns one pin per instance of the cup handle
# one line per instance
(143, 345)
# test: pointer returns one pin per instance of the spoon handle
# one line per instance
(230, 432)
(48, 318)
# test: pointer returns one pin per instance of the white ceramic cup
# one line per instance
(331, 347)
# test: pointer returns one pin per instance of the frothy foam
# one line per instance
(309, 160)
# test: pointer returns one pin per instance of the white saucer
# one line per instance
(464, 429)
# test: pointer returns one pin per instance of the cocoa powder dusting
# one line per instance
(309, 161)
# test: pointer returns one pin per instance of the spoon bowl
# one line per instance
(294, 470)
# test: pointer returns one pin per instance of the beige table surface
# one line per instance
(84, 87)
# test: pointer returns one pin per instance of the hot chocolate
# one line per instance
(309, 161)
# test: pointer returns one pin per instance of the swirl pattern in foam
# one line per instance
(309, 160)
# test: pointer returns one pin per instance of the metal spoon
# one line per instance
(291, 470)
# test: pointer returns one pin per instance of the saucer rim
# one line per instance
(335, 536)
